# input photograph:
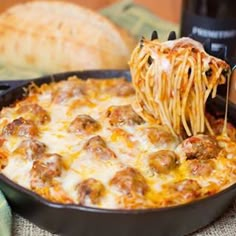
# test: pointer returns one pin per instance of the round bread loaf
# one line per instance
(54, 36)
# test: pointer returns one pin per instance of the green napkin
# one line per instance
(138, 20)
(5, 217)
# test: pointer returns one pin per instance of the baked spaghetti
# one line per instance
(81, 142)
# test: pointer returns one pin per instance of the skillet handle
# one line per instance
(7, 85)
(232, 91)
(233, 63)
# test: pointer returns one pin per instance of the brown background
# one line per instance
(167, 9)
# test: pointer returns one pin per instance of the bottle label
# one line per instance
(222, 32)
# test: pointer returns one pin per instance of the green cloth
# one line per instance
(138, 20)
(5, 217)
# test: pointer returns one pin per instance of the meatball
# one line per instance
(130, 181)
(201, 167)
(65, 90)
(200, 147)
(123, 115)
(163, 161)
(84, 124)
(158, 135)
(46, 168)
(97, 146)
(20, 127)
(91, 189)
(187, 189)
(122, 88)
(218, 125)
(35, 112)
(31, 148)
(94, 142)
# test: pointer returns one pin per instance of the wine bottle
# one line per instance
(214, 19)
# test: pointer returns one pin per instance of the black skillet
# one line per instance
(74, 220)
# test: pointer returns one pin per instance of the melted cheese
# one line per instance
(129, 143)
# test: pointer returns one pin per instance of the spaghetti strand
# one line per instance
(173, 81)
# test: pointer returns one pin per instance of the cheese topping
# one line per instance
(82, 142)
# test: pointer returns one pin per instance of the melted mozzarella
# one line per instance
(79, 165)
(18, 170)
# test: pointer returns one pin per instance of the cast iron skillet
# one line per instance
(74, 220)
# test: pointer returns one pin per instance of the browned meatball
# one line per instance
(130, 181)
(84, 124)
(163, 161)
(122, 88)
(36, 112)
(123, 115)
(159, 136)
(201, 167)
(31, 148)
(65, 90)
(91, 189)
(20, 127)
(94, 142)
(46, 168)
(97, 146)
(200, 147)
(3, 160)
(218, 125)
(187, 189)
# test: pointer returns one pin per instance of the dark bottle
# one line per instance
(214, 19)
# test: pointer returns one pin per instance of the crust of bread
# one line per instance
(55, 36)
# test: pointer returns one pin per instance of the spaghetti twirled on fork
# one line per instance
(173, 80)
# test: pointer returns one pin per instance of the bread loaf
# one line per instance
(54, 36)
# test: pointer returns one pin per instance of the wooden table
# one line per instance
(168, 9)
